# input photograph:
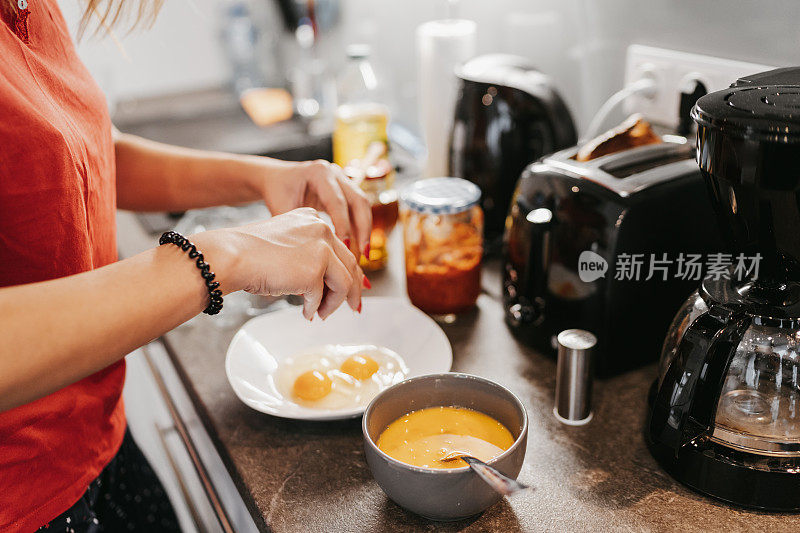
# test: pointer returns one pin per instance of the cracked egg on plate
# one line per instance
(281, 364)
(336, 376)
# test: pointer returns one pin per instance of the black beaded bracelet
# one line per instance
(214, 294)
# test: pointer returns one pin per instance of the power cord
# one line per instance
(643, 86)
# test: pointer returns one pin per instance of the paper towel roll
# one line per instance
(442, 45)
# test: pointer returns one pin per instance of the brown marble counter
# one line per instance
(301, 476)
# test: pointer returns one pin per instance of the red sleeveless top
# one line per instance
(57, 218)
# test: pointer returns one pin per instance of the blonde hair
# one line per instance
(100, 16)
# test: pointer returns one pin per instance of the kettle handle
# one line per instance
(686, 402)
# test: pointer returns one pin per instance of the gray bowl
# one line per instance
(440, 494)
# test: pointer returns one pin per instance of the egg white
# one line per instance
(346, 391)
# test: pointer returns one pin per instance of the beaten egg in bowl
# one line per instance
(425, 437)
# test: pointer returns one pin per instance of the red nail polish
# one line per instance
(359, 307)
(366, 251)
(347, 243)
(367, 284)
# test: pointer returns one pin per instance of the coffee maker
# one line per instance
(725, 409)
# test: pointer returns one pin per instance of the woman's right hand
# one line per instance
(293, 253)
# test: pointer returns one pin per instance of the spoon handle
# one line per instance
(499, 482)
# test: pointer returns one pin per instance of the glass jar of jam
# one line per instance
(443, 234)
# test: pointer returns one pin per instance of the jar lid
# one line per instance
(441, 196)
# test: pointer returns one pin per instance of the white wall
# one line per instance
(180, 52)
(581, 42)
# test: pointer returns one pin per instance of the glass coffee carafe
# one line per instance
(759, 404)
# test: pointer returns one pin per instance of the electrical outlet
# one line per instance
(673, 73)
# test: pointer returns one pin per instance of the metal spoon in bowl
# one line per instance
(499, 482)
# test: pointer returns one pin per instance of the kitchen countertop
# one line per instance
(312, 476)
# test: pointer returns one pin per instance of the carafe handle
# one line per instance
(686, 402)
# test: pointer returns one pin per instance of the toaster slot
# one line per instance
(641, 160)
(633, 170)
(622, 172)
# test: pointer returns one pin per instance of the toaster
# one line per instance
(611, 246)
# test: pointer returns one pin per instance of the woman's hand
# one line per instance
(318, 184)
(157, 177)
(292, 253)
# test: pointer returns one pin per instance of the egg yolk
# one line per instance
(359, 366)
(312, 386)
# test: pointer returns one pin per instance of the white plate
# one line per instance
(263, 342)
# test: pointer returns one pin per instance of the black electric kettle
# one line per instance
(507, 115)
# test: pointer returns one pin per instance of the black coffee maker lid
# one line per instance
(761, 107)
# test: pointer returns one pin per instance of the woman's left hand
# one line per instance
(322, 186)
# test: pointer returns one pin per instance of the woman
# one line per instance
(70, 311)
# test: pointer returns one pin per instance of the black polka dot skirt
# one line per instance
(126, 496)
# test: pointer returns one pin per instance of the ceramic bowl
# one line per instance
(443, 494)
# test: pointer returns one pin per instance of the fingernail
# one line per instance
(367, 284)
(359, 307)
(366, 251)
(347, 243)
